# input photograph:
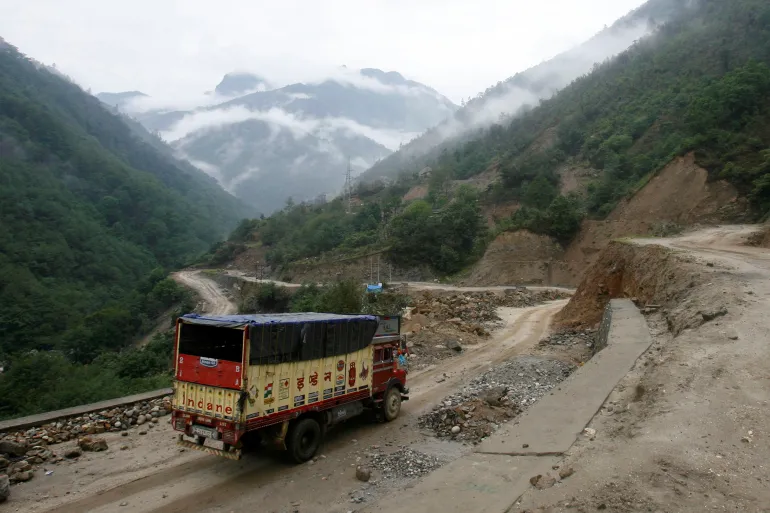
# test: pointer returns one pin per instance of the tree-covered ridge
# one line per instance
(700, 83)
(90, 216)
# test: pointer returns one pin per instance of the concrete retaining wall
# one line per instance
(77, 411)
(604, 329)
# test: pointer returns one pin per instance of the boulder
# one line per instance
(363, 474)
(454, 345)
(21, 477)
(5, 488)
(13, 448)
(494, 396)
(75, 452)
(92, 443)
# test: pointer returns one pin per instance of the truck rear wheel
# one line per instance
(303, 440)
(391, 405)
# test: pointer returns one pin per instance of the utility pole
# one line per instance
(378, 268)
(348, 187)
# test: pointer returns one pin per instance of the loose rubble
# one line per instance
(571, 338)
(474, 311)
(499, 394)
(23, 451)
(439, 324)
(404, 462)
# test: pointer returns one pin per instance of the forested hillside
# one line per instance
(91, 219)
(700, 82)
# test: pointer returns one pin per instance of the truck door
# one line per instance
(382, 367)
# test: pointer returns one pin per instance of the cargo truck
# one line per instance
(244, 381)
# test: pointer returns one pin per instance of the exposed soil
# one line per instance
(575, 177)
(520, 258)
(685, 429)
(679, 195)
(416, 192)
(152, 474)
(214, 301)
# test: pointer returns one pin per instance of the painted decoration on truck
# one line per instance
(308, 383)
(283, 389)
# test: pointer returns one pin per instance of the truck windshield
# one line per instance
(211, 342)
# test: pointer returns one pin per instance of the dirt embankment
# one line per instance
(655, 277)
(521, 258)
(679, 196)
(761, 238)
(683, 431)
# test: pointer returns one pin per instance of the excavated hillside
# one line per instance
(684, 430)
(657, 278)
(679, 196)
(521, 257)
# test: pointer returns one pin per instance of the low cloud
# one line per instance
(278, 119)
(543, 81)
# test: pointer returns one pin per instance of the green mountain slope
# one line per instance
(90, 214)
(700, 83)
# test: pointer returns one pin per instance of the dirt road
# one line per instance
(215, 302)
(152, 474)
(414, 285)
(686, 430)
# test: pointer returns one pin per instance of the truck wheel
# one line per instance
(304, 440)
(391, 406)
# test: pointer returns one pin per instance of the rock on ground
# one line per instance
(494, 397)
(363, 474)
(13, 447)
(117, 419)
(92, 443)
(404, 462)
(5, 488)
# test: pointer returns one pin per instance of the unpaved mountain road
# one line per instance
(687, 429)
(215, 302)
(152, 474)
(413, 285)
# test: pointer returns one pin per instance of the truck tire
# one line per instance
(304, 440)
(391, 405)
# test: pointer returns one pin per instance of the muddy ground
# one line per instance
(151, 473)
(686, 429)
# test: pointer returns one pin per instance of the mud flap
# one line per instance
(234, 454)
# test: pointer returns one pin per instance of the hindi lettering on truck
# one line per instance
(282, 379)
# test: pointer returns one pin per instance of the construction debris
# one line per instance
(494, 397)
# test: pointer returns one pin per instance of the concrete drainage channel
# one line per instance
(492, 478)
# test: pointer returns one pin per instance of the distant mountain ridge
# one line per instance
(268, 144)
(525, 90)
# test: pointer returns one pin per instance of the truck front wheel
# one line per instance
(304, 440)
(391, 405)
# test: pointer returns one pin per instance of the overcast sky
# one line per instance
(171, 47)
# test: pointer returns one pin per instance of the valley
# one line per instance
(580, 256)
